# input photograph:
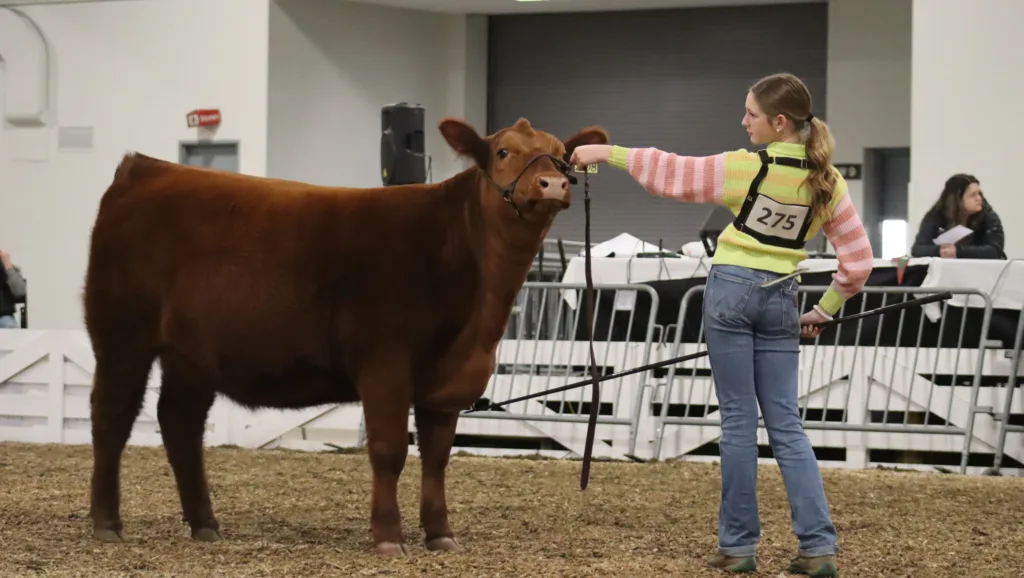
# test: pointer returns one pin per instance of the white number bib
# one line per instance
(774, 219)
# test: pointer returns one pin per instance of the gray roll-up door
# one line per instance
(672, 79)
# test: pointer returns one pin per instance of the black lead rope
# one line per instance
(595, 392)
(565, 168)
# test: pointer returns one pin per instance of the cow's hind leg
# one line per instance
(182, 410)
(386, 402)
(119, 387)
(435, 432)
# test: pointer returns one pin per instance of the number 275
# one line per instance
(790, 220)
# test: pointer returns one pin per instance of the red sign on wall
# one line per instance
(203, 117)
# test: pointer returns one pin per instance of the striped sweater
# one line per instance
(725, 179)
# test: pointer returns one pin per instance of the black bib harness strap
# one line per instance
(769, 221)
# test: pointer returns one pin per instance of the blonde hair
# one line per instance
(787, 95)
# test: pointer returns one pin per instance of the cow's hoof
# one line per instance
(107, 536)
(392, 549)
(207, 535)
(443, 544)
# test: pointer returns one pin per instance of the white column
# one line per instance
(868, 82)
(966, 99)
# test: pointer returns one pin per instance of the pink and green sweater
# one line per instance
(725, 179)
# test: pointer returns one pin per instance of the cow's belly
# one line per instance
(461, 387)
(256, 358)
(290, 386)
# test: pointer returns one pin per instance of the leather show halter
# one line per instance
(562, 166)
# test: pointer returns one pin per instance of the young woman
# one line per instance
(961, 203)
(781, 197)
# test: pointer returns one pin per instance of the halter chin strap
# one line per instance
(562, 165)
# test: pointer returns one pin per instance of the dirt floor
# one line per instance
(298, 514)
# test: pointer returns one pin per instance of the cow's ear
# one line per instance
(465, 141)
(589, 135)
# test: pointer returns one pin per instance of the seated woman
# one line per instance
(961, 203)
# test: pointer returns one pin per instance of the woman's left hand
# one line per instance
(808, 322)
(585, 155)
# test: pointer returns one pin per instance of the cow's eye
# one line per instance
(502, 153)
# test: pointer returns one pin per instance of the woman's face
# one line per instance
(972, 202)
(757, 124)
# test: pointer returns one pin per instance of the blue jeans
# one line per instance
(753, 339)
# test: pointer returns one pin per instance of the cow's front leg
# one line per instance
(386, 407)
(435, 432)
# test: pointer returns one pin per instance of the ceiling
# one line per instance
(516, 7)
(25, 2)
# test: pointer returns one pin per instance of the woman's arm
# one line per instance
(924, 246)
(995, 240)
(693, 179)
(845, 231)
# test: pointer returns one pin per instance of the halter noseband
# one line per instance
(561, 165)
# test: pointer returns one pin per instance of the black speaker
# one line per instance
(402, 158)
(717, 220)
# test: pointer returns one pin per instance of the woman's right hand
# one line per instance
(585, 155)
(809, 324)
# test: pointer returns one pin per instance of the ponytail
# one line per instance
(785, 94)
(822, 179)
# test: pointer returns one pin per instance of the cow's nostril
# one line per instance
(544, 183)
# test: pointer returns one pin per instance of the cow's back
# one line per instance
(163, 228)
(257, 281)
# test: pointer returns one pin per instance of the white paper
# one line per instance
(625, 300)
(953, 235)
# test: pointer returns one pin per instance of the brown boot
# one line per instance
(737, 565)
(816, 567)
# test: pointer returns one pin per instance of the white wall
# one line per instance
(868, 78)
(333, 65)
(968, 78)
(129, 71)
(301, 83)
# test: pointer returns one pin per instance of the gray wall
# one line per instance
(672, 79)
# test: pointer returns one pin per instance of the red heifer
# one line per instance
(280, 294)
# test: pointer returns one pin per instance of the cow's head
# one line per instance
(526, 165)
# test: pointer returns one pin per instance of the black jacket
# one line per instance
(12, 289)
(986, 242)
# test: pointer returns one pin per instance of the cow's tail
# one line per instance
(126, 175)
(124, 168)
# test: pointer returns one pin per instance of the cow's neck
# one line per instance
(509, 245)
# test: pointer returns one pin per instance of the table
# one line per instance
(673, 277)
(1003, 281)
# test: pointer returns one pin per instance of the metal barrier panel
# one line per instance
(1005, 417)
(545, 347)
(552, 259)
(858, 380)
